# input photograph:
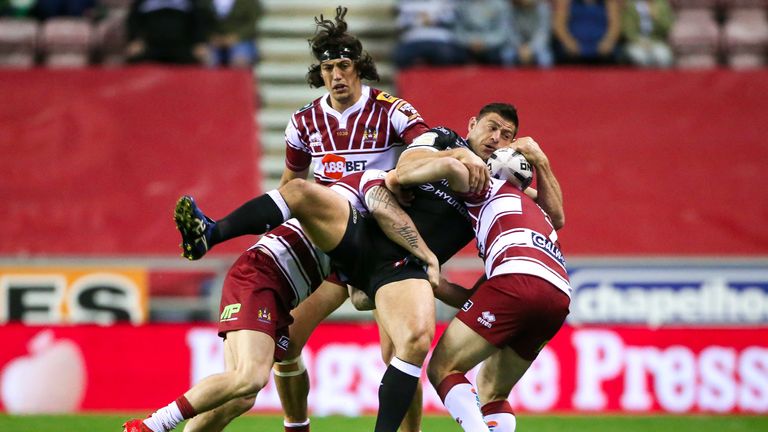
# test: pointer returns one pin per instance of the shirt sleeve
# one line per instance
(297, 155)
(436, 139)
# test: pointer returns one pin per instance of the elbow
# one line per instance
(558, 221)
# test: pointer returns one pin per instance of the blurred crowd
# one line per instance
(80, 32)
(543, 33)
(504, 33)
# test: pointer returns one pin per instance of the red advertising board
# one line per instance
(600, 369)
(94, 159)
(650, 162)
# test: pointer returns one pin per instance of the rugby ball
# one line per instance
(510, 165)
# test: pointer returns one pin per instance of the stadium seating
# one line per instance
(745, 38)
(66, 42)
(18, 42)
(695, 38)
(109, 37)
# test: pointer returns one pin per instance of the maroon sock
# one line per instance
(497, 407)
(300, 428)
(449, 382)
(185, 407)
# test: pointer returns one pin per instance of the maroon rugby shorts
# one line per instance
(517, 310)
(257, 297)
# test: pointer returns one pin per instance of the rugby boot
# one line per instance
(135, 425)
(195, 228)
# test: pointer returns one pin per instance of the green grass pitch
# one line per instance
(534, 423)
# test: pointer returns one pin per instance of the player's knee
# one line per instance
(417, 342)
(293, 193)
(242, 405)
(250, 382)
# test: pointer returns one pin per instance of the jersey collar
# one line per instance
(342, 117)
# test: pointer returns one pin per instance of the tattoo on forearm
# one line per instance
(409, 234)
(379, 197)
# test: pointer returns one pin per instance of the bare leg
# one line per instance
(253, 352)
(248, 357)
(494, 387)
(293, 385)
(406, 312)
(412, 420)
(459, 350)
(322, 212)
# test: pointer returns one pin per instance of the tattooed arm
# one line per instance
(399, 227)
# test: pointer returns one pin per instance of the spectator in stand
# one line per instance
(233, 40)
(483, 27)
(531, 29)
(427, 34)
(586, 31)
(45, 9)
(16, 8)
(168, 31)
(646, 25)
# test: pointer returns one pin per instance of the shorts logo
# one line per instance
(467, 306)
(229, 310)
(283, 342)
(264, 315)
(486, 319)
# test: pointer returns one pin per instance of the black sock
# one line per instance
(395, 396)
(257, 216)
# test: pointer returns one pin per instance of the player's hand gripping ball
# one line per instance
(510, 165)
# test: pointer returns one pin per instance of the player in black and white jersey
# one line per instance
(523, 302)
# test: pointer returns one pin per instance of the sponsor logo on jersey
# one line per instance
(548, 246)
(408, 110)
(467, 306)
(386, 97)
(447, 196)
(229, 311)
(335, 166)
(283, 342)
(486, 319)
(264, 315)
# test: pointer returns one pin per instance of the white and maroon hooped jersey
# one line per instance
(302, 264)
(514, 235)
(371, 134)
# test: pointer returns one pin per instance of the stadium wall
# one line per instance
(651, 163)
(605, 369)
(665, 234)
(93, 160)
